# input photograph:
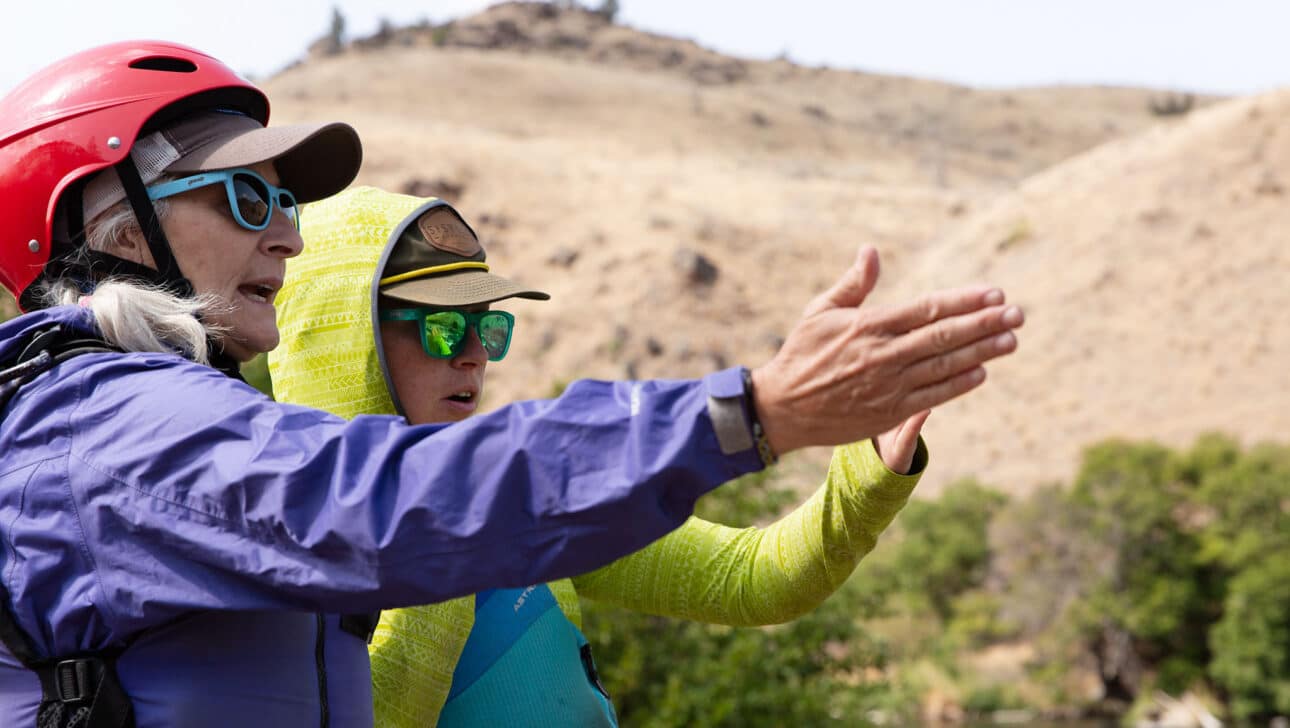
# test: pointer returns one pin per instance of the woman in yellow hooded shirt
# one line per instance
(515, 657)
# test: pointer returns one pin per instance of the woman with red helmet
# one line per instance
(177, 549)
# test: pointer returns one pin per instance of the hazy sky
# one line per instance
(1237, 46)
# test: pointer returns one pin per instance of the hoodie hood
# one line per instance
(330, 356)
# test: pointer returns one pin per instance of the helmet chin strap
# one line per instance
(167, 273)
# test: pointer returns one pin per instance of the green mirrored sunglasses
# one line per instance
(443, 331)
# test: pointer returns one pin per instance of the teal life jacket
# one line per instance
(525, 664)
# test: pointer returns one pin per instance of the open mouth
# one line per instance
(464, 397)
(258, 292)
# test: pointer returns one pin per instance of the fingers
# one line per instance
(912, 428)
(847, 373)
(907, 442)
(852, 288)
(897, 446)
(956, 361)
(934, 395)
(936, 306)
(956, 331)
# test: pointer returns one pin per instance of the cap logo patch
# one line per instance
(447, 233)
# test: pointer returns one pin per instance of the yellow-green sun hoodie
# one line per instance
(702, 571)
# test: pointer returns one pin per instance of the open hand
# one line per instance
(847, 373)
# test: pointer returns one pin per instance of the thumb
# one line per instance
(852, 288)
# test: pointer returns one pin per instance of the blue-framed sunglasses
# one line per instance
(250, 196)
(444, 331)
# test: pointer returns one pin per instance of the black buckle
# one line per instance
(74, 680)
(361, 625)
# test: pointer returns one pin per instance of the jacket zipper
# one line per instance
(320, 657)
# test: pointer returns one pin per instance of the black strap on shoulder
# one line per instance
(77, 691)
(362, 626)
(43, 351)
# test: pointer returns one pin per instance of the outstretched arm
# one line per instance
(751, 576)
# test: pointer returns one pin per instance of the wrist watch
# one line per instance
(734, 417)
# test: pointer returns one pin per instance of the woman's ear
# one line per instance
(129, 245)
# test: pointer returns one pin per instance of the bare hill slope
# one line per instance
(604, 167)
(1157, 280)
(682, 206)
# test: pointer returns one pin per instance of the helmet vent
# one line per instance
(164, 63)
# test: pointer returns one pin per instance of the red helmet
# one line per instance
(83, 114)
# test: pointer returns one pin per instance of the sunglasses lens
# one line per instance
(287, 204)
(444, 332)
(252, 200)
(495, 333)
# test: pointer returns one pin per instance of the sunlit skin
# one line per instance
(431, 389)
(242, 268)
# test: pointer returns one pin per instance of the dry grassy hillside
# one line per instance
(682, 206)
(673, 95)
(604, 175)
(1157, 279)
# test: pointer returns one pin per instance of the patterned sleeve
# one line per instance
(414, 652)
(753, 576)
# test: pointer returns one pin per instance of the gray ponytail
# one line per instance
(132, 315)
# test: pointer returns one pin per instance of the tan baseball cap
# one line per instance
(313, 160)
(438, 261)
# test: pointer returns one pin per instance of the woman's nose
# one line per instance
(281, 237)
(473, 354)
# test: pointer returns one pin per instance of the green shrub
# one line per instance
(1155, 588)
(1251, 643)
(940, 548)
(608, 9)
(664, 672)
(1157, 569)
(1248, 537)
(978, 620)
(1179, 575)
(984, 699)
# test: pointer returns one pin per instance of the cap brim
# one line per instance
(460, 289)
(313, 160)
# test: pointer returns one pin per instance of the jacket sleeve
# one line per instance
(194, 491)
(753, 576)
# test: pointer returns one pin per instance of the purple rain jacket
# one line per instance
(145, 497)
